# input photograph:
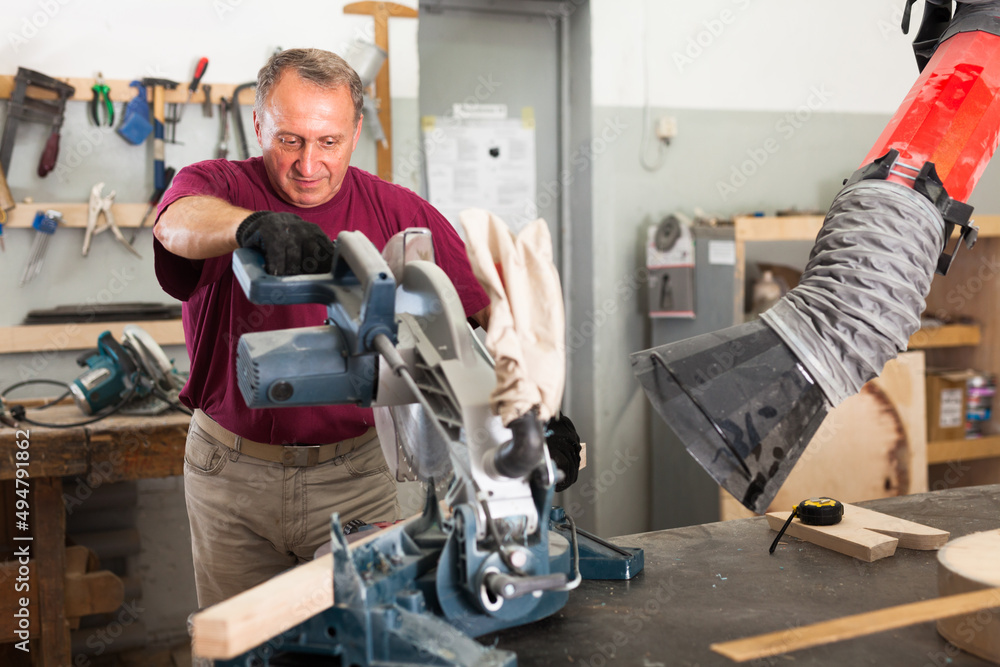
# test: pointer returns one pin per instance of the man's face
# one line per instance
(308, 135)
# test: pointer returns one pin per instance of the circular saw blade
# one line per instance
(149, 355)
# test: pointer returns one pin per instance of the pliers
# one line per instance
(99, 205)
(101, 93)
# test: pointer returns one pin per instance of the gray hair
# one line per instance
(323, 68)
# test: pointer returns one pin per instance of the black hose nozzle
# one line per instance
(523, 452)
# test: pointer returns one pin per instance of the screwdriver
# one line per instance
(154, 199)
(199, 71)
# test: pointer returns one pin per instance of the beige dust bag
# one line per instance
(526, 333)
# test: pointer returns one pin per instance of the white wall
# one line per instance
(126, 39)
(751, 54)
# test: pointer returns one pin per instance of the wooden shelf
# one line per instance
(75, 214)
(950, 335)
(50, 338)
(943, 451)
(121, 92)
(805, 227)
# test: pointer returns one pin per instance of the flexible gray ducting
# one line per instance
(863, 290)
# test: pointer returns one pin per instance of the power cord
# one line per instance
(18, 411)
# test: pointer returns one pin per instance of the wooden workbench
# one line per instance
(716, 582)
(114, 449)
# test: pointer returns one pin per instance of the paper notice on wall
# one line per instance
(481, 163)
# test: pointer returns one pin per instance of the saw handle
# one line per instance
(510, 586)
(263, 288)
(106, 344)
(355, 262)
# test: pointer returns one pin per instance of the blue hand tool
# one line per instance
(136, 126)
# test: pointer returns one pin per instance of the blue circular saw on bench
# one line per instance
(135, 372)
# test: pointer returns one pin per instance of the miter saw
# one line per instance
(417, 593)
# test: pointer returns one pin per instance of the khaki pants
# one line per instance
(252, 519)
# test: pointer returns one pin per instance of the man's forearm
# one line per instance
(199, 227)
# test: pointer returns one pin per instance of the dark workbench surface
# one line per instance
(115, 448)
(716, 582)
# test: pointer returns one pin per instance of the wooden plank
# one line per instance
(122, 92)
(950, 335)
(78, 559)
(50, 568)
(236, 625)
(50, 338)
(147, 448)
(75, 214)
(844, 537)
(93, 593)
(858, 625)
(53, 452)
(778, 228)
(100, 592)
(864, 534)
(115, 448)
(806, 227)
(968, 449)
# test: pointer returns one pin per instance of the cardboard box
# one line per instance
(946, 404)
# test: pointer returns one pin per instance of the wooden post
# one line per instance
(49, 549)
(381, 11)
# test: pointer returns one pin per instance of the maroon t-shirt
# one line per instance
(216, 312)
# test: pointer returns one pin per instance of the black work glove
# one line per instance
(564, 448)
(290, 245)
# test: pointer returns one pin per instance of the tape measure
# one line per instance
(813, 512)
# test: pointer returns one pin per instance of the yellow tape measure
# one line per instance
(813, 512)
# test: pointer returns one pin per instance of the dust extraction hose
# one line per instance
(746, 401)
(863, 290)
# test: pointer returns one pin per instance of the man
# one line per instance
(252, 513)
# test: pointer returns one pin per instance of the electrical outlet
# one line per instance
(666, 128)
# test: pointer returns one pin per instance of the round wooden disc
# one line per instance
(967, 564)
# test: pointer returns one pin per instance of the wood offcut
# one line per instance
(864, 534)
